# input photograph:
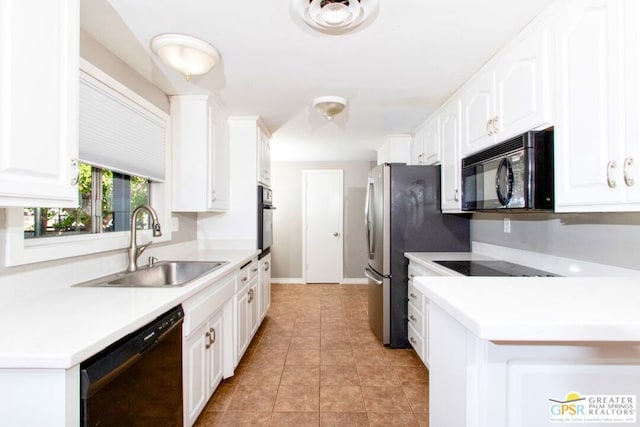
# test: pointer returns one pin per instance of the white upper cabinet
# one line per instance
(589, 85)
(396, 149)
(509, 96)
(425, 146)
(449, 120)
(264, 158)
(39, 69)
(200, 154)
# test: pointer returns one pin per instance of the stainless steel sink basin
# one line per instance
(161, 274)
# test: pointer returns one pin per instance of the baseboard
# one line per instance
(300, 281)
(355, 281)
(288, 280)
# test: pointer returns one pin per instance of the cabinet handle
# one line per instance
(628, 180)
(489, 127)
(266, 266)
(244, 279)
(212, 339)
(610, 166)
(456, 195)
(254, 269)
(413, 340)
(411, 276)
(494, 125)
(412, 317)
(208, 344)
(412, 295)
(76, 174)
(250, 295)
(214, 196)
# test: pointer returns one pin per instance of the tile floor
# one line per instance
(315, 362)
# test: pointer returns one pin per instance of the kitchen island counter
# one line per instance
(510, 348)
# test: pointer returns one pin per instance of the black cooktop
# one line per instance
(493, 268)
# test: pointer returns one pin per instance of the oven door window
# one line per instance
(267, 228)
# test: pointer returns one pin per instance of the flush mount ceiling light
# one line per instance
(334, 16)
(189, 55)
(329, 106)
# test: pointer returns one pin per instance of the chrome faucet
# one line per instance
(134, 250)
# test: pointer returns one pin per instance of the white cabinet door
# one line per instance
(416, 149)
(450, 136)
(508, 97)
(522, 86)
(265, 285)
(431, 142)
(200, 155)
(631, 161)
(218, 166)
(194, 368)
(39, 71)
(242, 325)
(254, 307)
(264, 158)
(213, 345)
(202, 366)
(588, 132)
(478, 113)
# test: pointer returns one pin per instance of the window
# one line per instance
(106, 200)
(126, 138)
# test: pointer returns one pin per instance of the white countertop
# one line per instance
(58, 326)
(591, 302)
(540, 309)
(566, 267)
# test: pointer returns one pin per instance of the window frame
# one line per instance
(20, 251)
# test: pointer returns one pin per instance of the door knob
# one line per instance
(336, 234)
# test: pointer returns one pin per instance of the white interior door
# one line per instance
(322, 226)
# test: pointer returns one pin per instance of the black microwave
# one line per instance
(516, 175)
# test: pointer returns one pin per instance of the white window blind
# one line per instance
(118, 134)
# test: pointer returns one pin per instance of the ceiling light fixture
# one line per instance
(189, 55)
(329, 106)
(334, 16)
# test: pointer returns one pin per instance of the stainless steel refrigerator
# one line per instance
(403, 215)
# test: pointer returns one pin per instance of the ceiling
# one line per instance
(394, 71)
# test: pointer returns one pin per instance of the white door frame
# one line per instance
(305, 174)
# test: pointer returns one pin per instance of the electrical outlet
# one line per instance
(175, 223)
(507, 225)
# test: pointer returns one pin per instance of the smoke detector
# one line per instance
(334, 16)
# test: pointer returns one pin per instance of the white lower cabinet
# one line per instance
(418, 312)
(265, 285)
(206, 328)
(247, 308)
(202, 366)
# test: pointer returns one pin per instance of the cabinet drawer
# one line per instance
(415, 296)
(202, 305)
(416, 318)
(247, 273)
(417, 342)
(417, 270)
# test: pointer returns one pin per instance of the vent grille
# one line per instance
(514, 144)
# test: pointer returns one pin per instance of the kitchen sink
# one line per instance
(159, 275)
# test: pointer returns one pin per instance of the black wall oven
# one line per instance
(265, 218)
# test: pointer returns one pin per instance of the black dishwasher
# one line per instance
(138, 379)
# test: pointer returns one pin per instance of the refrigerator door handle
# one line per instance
(371, 275)
(367, 221)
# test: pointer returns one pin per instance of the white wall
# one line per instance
(286, 183)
